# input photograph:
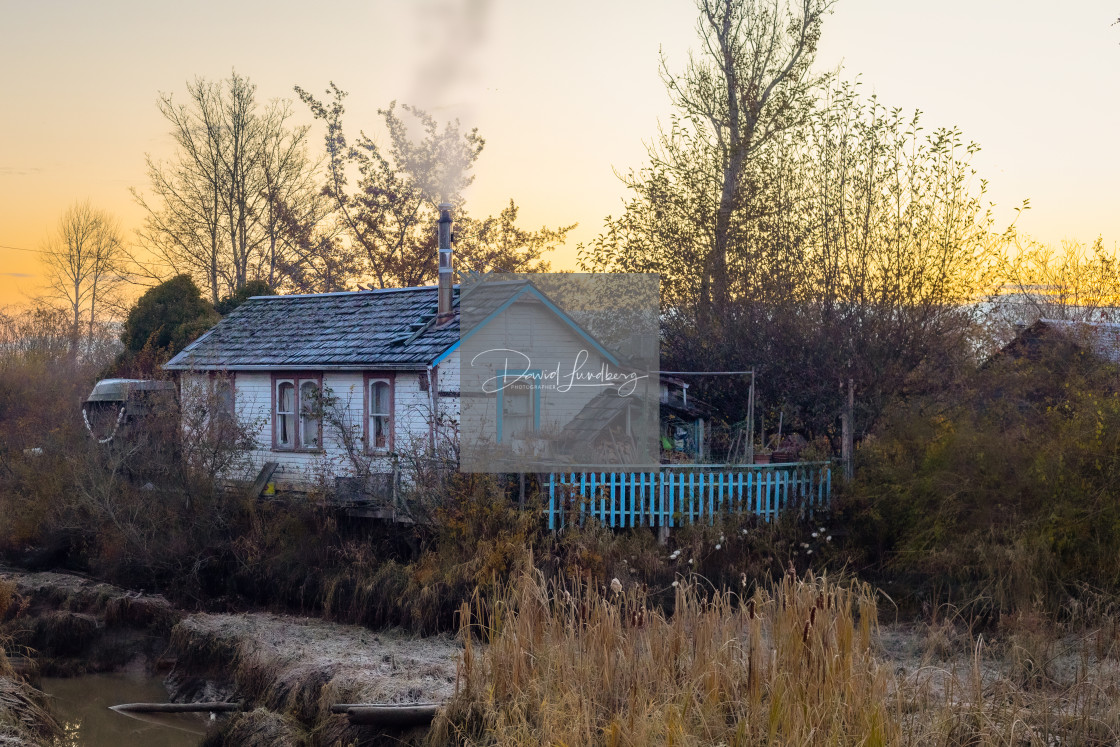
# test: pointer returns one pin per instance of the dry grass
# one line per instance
(801, 663)
(573, 665)
(24, 718)
(258, 728)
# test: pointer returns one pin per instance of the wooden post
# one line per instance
(211, 707)
(750, 420)
(847, 431)
(395, 487)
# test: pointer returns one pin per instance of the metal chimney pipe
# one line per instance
(444, 292)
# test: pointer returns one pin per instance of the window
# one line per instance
(379, 398)
(285, 414)
(297, 421)
(309, 418)
(224, 399)
(222, 410)
(518, 405)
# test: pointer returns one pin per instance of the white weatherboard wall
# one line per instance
(448, 401)
(253, 397)
(554, 346)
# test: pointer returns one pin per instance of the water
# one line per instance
(81, 705)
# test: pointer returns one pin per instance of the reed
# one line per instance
(573, 664)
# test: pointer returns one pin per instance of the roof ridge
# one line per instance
(366, 292)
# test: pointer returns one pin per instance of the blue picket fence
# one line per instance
(686, 494)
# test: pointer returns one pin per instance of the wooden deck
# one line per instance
(676, 496)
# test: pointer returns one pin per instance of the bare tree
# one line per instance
(1071, 282)
(84, 259)
(231, 204)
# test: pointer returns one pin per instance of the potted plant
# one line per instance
(765, 453)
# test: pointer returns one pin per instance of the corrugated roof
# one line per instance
(392, 328)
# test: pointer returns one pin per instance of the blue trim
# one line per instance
(443, 356)
(535, 375)
(572, 323)
(551, 306)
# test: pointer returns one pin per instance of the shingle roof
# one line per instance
(1102, 338)
(392, 328)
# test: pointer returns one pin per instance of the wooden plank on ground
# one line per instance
(262, 479)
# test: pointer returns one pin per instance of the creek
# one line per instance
(81, 704)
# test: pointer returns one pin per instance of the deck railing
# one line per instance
(686, 494)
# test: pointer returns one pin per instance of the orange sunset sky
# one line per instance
(563, 92)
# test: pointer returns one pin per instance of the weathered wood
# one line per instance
(344, 707)
(215, 707)
(697, 493)
(262, 479)
(405, 714)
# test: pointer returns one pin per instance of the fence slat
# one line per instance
(633, 499)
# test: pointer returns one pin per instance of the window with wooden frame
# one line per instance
(297, 423)
(379, 412)
(310, 417)
(225, 405)
(222, 406)
(519, 405)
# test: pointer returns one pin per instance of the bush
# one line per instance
(168, 317)
(1000, 492)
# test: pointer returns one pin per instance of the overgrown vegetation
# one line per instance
(998, 492)
(24, 717)
(802, 661)
(567, 664)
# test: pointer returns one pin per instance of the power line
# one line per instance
(159, 262)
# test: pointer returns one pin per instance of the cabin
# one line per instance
(362, 392)
(333, 384)
(340, 386)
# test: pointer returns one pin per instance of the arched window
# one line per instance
(380, 401)
(297, 423)
(285, 414)
(309, 417)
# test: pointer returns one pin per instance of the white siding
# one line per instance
(411, 412)
(448, 383)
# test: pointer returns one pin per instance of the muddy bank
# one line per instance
(299, 667)
(287, 671)
(68, 625)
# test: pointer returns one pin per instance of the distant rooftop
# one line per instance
(1102, 338)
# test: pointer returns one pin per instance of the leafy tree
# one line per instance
(168, 317)
(846, 252)
(387, 216)
(243, 294)
(751, 84)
